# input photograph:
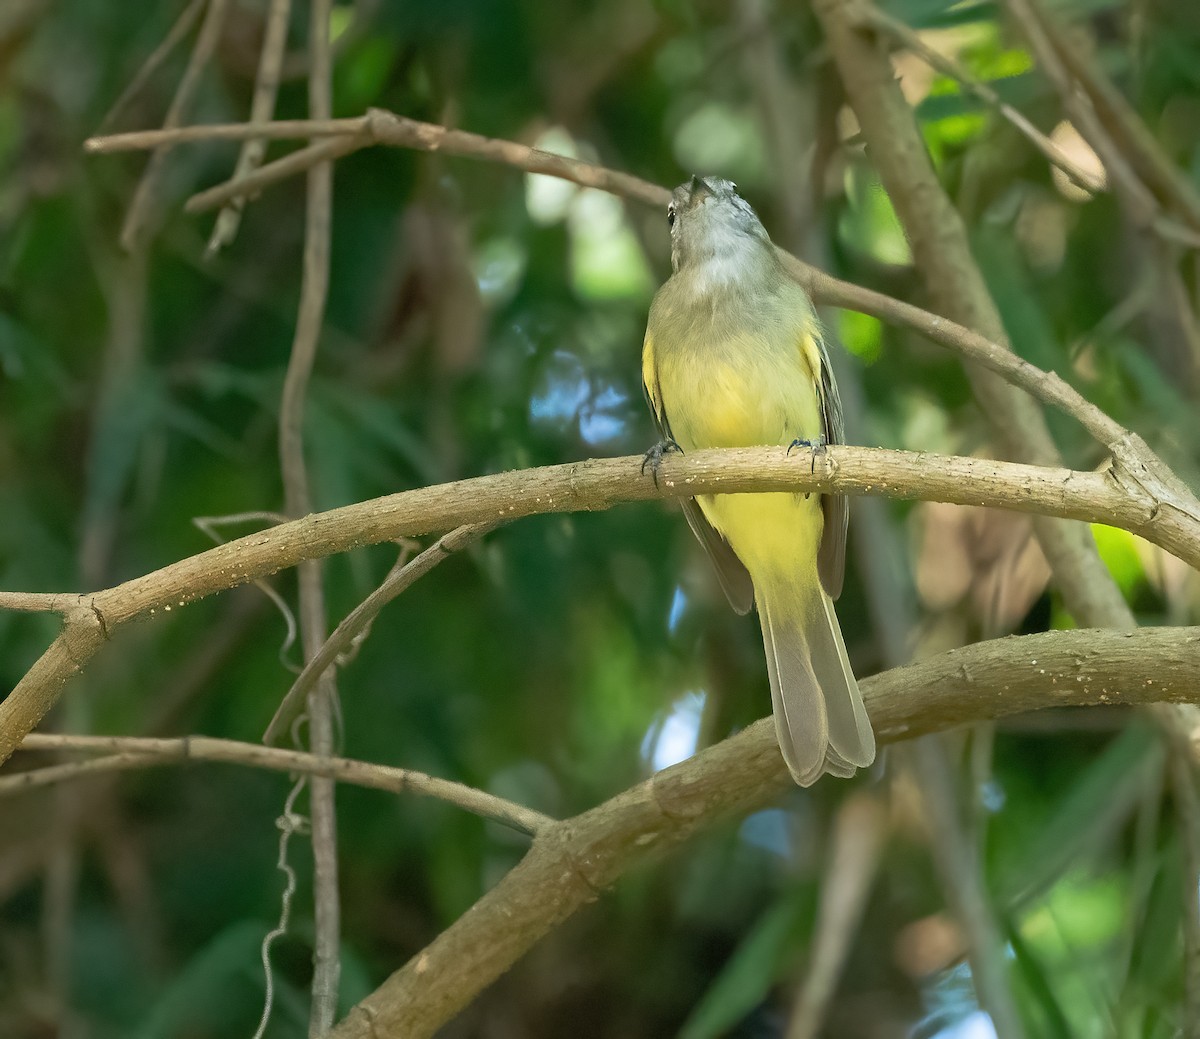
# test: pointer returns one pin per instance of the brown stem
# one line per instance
(122, 753)
(360, 618)
(596, 484)
(571, 862)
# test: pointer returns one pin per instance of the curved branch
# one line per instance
(572, 860)
(122, 753)
(590, 485)
(382, 127)
(360, 618)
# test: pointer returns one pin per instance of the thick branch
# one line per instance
(571, 861)
(595, 484)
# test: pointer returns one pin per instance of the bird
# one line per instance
(734, 356)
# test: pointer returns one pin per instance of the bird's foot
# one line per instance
(818, 447)
(653, 458)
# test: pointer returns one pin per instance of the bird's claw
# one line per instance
(818, 447)
(653, 458)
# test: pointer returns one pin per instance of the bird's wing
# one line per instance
(733, 576)
(831, 556)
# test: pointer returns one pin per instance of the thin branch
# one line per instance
(182, 26)
(591, 485)
(277, 130)
(355, 622)
(40, 602)
(957, 863)
(289, 823)
(322, 704)
(942, 256)
(572, 861)
(144, 196)
(209, 525)
(858, 837)
(122, 753)
(262, 107)
(381, 127)
(873, 17)
(1129, 132)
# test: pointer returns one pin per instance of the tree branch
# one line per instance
(942, 256)
(360, 618)
(129, 752)
(387, 128)
(262, 107)
(873, 17)
(571, 861)
(321, 702)
(586, 486)
(144, 195)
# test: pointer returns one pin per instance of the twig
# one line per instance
(144, 196)
(858, 836)
(276, 130)
(591, 485)
(1136, 197)
(181, 27)
(262, 107)
(1187, 813)
(1129, 132)
(289, 823)
(954, 282)
(131, 752)
(322, 700)
(571, 861)
(400, 579)
(873, 17)
(380, 127)
(209, 525)
(40, 602)
(954, 856)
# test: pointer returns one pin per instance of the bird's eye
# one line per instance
(671, 215)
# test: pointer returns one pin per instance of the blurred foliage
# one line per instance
(481, 320)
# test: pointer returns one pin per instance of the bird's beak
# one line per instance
(698, 190)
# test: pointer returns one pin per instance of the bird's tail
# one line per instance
(820, 720)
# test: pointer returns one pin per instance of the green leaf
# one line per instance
(769, 948)
(1097, 804)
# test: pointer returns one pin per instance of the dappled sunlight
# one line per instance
(672, 738)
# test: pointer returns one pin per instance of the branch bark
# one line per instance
(129, 752)
(381, 127)
(573, 861)
(585, 486)
(942, 256)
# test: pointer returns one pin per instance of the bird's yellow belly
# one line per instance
(771, 533)
(742, 404)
